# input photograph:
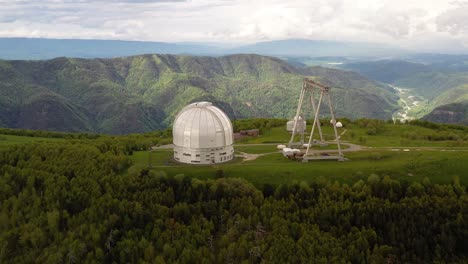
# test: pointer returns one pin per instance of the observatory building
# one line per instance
(300, 126)
(202, 134)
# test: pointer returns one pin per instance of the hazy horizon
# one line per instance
(425, 26)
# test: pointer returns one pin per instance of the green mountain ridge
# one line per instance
(449, 113)
(443, 87)
(143, 93)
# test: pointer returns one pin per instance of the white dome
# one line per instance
(339, 124)
(202, 133)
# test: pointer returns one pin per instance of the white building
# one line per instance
(300, 126)
(202, 134)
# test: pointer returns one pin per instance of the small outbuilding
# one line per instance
(300, 126)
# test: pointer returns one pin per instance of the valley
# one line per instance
(412, 105)
(435, 84)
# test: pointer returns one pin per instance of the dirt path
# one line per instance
(317, 151)
(250, 157)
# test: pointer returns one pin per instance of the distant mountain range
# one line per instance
(40, 49)
(122, 93)
(143, 93)
(319, 48)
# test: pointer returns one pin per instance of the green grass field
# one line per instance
(259, 149)
(387, 153)
(390, 137)
(438, 166)
(256, 149)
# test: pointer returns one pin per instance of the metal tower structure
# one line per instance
(306, 88)
(315, 89)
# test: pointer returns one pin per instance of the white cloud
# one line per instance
(410, 23)
(454, 20)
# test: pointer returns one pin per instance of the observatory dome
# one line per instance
(202, 134)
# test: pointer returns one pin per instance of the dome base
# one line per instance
(203, 156)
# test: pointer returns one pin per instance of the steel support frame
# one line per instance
(313, 88)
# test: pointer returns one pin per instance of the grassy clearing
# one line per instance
(260, 149)
(438, 166)
(392, 137)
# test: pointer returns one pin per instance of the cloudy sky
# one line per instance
(414, 24)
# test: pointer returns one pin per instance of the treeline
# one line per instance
(257, 123)
(441, 132)
(431, 125)
(66, 135)
(47, 134)
(75, 202)
(372, 126)
(129, 143)
(443, 135)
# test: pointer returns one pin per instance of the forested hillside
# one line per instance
(443, 81)
(450, 113)
(75, 202)
(427, 80)
(143, 93)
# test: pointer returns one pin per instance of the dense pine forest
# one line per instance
(76, 201)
